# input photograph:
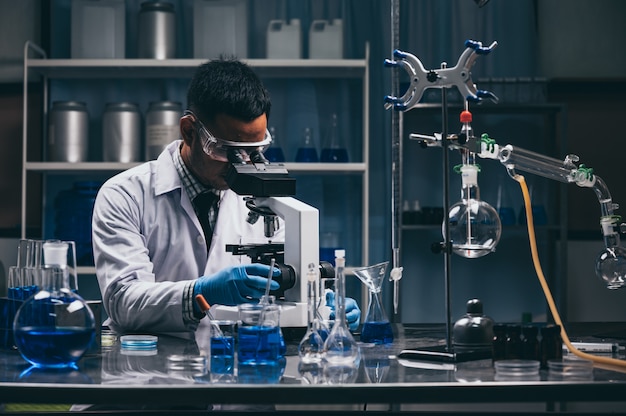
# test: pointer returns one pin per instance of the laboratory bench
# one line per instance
(381, 382)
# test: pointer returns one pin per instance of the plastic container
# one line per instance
(162, 126)
(121, 133)
(68, 132)
(284, 40)
(98, 29)
(157, 31)
(73, 211)
(220, 27)
(326, 39)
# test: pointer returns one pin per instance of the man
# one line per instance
(154, 247)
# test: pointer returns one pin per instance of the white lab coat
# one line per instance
(148, 244)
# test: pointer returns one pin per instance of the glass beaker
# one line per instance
(376, 327)
(54, 327)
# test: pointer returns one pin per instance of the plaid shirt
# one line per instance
(193, 187)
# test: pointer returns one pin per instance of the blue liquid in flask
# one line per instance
(377, 333)
(53, 347)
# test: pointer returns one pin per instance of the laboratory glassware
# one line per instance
(335, 150)
(307, 153)
(376, 327)
(340, 346)
(258, 333)
(274, 153)
(311, 347)
(54, 327)
(475, 226)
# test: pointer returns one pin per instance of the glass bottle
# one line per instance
(499, 342)
(274, 153)
(513, 346)
(530, 343)
(334, 151)
(340, 346)
(55, 327)
(551, 345)
(311, 346)
(307, 153)
(376, 327)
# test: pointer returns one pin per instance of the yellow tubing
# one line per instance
(605, 362)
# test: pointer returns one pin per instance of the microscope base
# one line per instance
(292, 314)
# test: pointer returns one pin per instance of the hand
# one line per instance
(353, 313)
(236, 284)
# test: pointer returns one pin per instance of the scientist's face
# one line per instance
(210, 167)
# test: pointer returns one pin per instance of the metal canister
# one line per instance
(68, 131)
(162, 126)
(121, 133)
(157, 31)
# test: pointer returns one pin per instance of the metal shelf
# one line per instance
(39, 71)
(67, 167)
(184, 68)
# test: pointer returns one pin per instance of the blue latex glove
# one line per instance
(236, 284)
(353, 313)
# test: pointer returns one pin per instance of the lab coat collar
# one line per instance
(165, 174)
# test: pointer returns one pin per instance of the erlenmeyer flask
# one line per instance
(376, 327)
(307, 153)
(274, 153)
(334, 151)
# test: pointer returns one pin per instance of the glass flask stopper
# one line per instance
(376, 327)
(340, 346)
(55, 326)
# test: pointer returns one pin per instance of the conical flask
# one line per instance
(376, 327)
(274, 153)
(334, 151)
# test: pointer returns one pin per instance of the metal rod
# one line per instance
(396, 164)
(446, 208)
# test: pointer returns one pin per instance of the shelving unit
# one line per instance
(504, 280)
(40, 72)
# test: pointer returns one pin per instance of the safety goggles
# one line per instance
(218, 148)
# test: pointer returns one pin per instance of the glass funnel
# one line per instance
(376, 327)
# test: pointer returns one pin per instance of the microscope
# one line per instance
(268, 190)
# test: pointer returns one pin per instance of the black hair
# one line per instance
(227, 86)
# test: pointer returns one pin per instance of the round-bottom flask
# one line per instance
(55, 326)
(474, 225)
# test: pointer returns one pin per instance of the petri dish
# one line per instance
(570, 367)
(139, 342)
(180, 362)
(517, 368)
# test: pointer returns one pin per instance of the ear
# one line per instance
(187, 129)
